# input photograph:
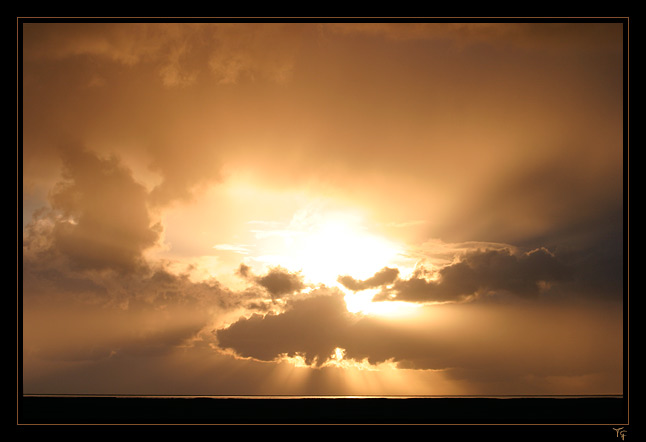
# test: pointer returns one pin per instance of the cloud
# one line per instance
(125, 44)
(79, 314)
(452, 141)
(181, 51)
(475, 271)
(384, 276)
(167, 45)
(185, 165)
(527, 35)
(104, 222)
(52, 273)
(478, 272)
(319, 122)
(264, 51)
(311, 327)
(89, 317)
(242, 249)
(278, 281)
(89, 291)
(473, 342)
(281, 282)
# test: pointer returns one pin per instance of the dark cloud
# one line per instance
(314, 326)
(310, 327)
(104, 221)
(482, 271)
(577, 188)
(244, 271)
(278, 281)
(384, 276)
(471, 341)
(594, 249)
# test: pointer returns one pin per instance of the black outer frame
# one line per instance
(575, 417)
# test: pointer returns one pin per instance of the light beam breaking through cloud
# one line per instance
(433, 205)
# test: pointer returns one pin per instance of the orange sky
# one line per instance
(303, 208)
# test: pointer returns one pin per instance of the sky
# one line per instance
(322, 208)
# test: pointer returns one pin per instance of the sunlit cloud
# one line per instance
(323, 208)
(320, 332)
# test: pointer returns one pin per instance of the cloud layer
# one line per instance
(466, 342)
(480, 272)
(144, 144)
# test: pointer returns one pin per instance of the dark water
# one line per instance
(454, 410)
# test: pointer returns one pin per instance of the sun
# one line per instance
(323, 245)
(338, 246)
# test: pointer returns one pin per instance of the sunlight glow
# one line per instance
(361, 302)
(326, 245)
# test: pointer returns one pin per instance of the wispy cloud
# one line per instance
(243, 249)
